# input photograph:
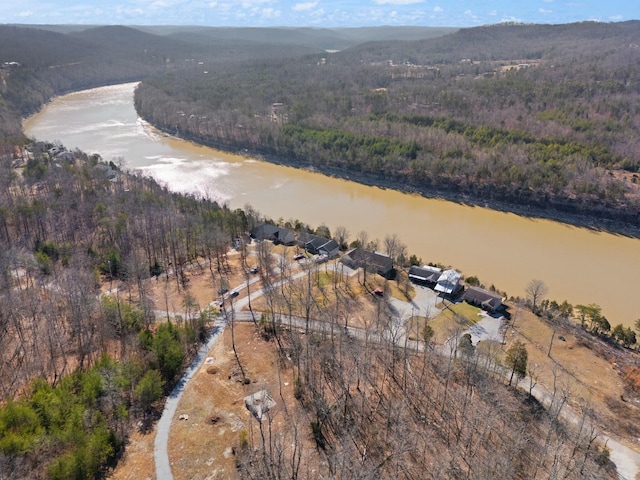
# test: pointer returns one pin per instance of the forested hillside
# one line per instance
(540, 116)
(87, 357)
(81, 368)
(39, 62)
(318, 39)
(89, 252)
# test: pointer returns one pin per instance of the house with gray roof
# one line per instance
(426, 275)
(448, 282)
(369, 260)
(317, 245)
(483, 298)
(276, 234)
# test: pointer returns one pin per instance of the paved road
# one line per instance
(627, 461)
(160, 451)
(163, 466)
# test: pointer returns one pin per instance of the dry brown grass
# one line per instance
(201, 447)
(590, 378)
(137, 462)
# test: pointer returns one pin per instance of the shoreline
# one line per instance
(588, 220)
(568, 214)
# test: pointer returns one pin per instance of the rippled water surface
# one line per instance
(503, 249)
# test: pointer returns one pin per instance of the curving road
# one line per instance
(163, 467)
(626, 460)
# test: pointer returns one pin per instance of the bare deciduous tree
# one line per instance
(536, 290)
(341, 235)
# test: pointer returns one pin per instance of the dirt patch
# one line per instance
(201, 286)
(587, 372)
(206, 445)
(137, 462)
(219, 423)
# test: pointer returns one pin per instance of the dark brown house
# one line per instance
(426, 275)
(317, 245)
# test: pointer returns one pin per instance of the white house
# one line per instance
(448, 282)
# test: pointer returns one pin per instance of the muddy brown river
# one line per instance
(503, 249)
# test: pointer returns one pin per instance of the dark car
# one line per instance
(234, 293)
(255, 270)
(298, 256)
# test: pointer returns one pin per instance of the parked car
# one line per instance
(255, 269)
(222, 291)
(379, 292)
(234, 293)
(298, 256)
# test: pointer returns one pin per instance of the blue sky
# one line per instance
(317, 13)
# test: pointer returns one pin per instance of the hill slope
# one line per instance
(544, 116)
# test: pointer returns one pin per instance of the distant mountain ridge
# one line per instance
(56, 59)
(508, 41)
(313, 38)
(542, 116)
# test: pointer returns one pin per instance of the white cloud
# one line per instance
(305, 6)
(397, 2)
(438, 9)
(166, 3)
(270, 13)
(545, 11)
(493, 13)
(248, 4)
(616, 18)
(315, 16)
(129, 11)
(26, 13)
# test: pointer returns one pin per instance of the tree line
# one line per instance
(552, 130)
(375, 401)
(82, 355)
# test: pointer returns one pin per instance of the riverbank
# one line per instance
(563, 215)
(602, 219)
(499, 248)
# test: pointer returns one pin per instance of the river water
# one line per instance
(503, 249)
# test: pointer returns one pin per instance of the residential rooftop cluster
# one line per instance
(446, 282)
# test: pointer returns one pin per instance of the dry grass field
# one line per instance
(203, 446)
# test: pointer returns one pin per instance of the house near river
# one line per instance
(317, 245)
(426, 275)
(482, 298)
(277, 235)
(371, 261)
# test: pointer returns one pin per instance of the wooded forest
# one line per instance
(78, 366)
(86, 362)
(535, 115)
(540, 116)
(39, 62)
